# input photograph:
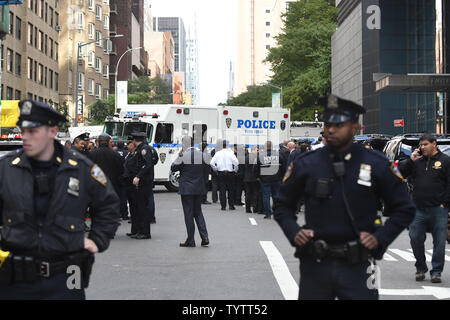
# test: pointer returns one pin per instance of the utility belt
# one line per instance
(354, 252)
(16, 268)
(225, 173)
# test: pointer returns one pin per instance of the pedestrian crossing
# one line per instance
(396, 255)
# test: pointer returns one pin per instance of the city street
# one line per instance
(248, 259)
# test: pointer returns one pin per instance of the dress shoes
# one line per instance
(187, 245)
(139, 236)
(206, 202)
(131, 234)
(205, 242)
(232, 208)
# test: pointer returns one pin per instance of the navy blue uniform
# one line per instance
(146, 158)
(368, 177)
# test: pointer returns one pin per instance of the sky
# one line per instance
(216, 27)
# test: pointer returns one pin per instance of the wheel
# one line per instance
(173, 184)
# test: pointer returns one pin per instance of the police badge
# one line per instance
(228, 121)
(162, 157)
(26, 108)
(365, 175)
(74, 187)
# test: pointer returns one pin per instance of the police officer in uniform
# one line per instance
(81, 143)
(341, 184)
(143, 181)
(45, 191)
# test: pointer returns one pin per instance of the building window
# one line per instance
(46, 45)
(56, 81)
(267, 23)
(91, 5)
(41, 74)
(46, 13)
(105, 93)
(106, 71)
(90, 87)
(30, 34)
(51, 17)
(30, 4)
(36, 37)
(56, 51)
(51, 49)
(98, 91)
(50, 78)
(35, 70)
(30, 68)
(18, 95)
(98, 12)
(42, 9)
(91, 57)
(18, 28)
(98, 37)
(18, 63)
(45, 76)
(268, 11)
(91, 31)
(98, 65)
(9, 61)
(80, 21)
(267, 35)
(41, 41)
(9, 93)
(106, 22)
(29, 96)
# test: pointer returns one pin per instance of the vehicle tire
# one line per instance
(172, 185)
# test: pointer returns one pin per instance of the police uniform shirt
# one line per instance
(146, 162)
(368, 176)
(225, 160)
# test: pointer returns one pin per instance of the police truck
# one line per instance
(165, 125)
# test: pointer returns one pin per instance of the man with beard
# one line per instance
(341, 184)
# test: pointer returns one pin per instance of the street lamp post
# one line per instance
(117, 72)
(79, 45)
(281, 93)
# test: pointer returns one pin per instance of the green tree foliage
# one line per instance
(144, 90)
(301, 63)
(100, 110)
(255, 96)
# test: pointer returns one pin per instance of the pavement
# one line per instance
(248, 258)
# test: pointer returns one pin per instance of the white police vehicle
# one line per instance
(306, 130)
(165, 125)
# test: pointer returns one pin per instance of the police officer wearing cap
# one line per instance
(146, 158)
(81, 144)
(45, 191)
(341, 184)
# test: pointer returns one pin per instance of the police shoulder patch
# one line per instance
(396, 172)
(144, 152)
(98, 175)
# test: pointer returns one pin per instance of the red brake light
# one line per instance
(179, 111)
(225, 112)
(286, 115)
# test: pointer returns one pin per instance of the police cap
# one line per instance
(35, 114)
(83, 136)
(338, 110)
(138, 135)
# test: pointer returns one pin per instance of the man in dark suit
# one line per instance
(108, 160)
(192, 169)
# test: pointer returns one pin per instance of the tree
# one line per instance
(101, 109)
(144, 90)
(302, 61)
(255, 96)
(62, 108)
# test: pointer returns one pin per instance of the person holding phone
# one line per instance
(429, 169)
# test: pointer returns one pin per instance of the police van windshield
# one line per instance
(131, 127)
(114, 129)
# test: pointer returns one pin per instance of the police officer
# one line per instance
(143, 182)
(45, 190)
(341, 183)
(131, 170)
(81, 143)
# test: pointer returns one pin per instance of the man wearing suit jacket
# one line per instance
(192, 187)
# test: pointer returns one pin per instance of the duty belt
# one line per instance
(352, 251)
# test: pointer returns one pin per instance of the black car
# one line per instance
(375, 141)
(400, 147)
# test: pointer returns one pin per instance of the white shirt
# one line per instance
(224, 160)
(318, 146)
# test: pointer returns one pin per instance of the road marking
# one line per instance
(438, 292)
(253, 221)
(288, 286)
(427, 256)
(404, 254)
(388, 257)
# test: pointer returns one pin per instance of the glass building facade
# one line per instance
(411, 39)
(175, 26)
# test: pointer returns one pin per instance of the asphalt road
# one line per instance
(248, 258)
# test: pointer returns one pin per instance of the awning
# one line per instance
(386, 82)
